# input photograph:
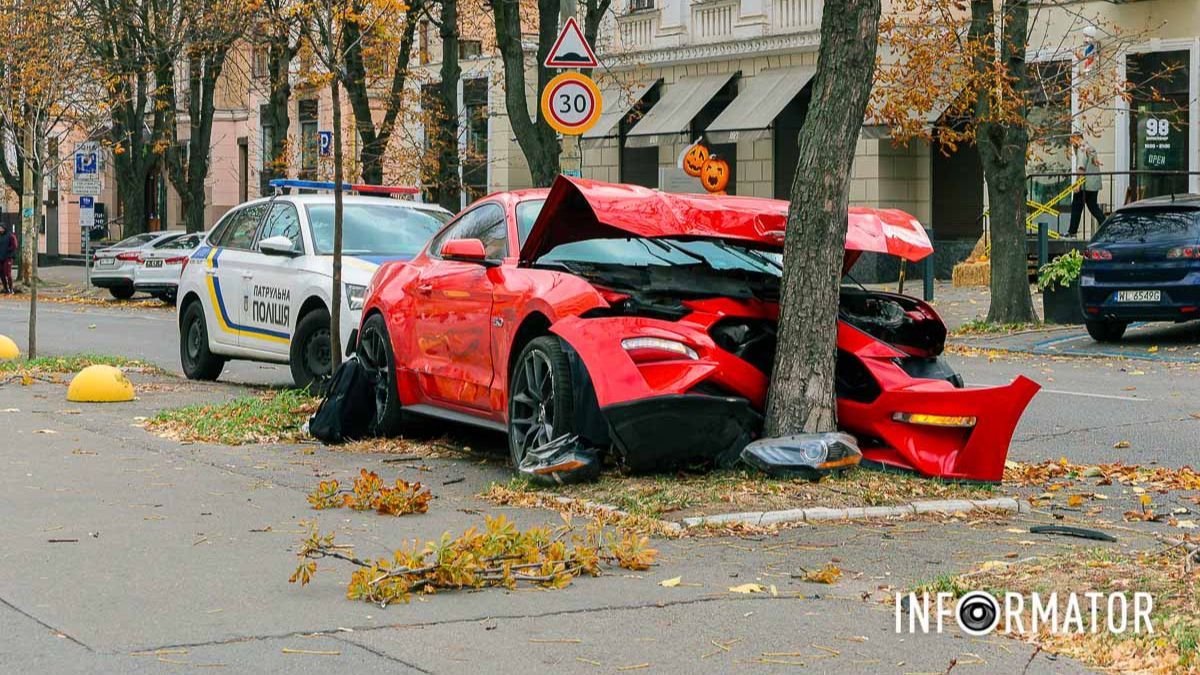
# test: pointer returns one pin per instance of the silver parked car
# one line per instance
(158, 273)
(113, 267)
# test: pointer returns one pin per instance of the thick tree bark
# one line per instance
(280, 52)
(374, 141)
(539, 142)
(449, 182)
(801, 398)
(189, 174)
(1003, 142)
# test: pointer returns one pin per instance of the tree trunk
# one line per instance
(335, 311)
(375, 141)
(279, 62)
(801, 397)
(30, 209)
(449, 182)
(1003, 141)
(189, 175)
(539, 142)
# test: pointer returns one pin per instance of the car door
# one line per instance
(225, 269)
(452, 304)
(271, 284)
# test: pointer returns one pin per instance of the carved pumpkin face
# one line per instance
(714, 175)
(694, 159)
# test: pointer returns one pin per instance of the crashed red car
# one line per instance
(644, 322)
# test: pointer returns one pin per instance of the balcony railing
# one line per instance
(798, 14)
(637, 30)
(714, 20)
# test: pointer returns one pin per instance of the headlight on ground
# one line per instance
(642, 349)
(355, 295)
(952, 421)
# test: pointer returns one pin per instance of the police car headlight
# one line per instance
(355, 295)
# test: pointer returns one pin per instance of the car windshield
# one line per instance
(714, 254)
(527, 213)
(136, 240)
(1150, 226)
(375, 229)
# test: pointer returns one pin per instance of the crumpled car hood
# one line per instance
(579, 209)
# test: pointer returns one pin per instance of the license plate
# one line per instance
(1139, 296)
(159, 263)
(106, 262)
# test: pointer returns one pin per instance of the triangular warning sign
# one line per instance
(571, 50)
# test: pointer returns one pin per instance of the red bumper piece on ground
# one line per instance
(976, 452)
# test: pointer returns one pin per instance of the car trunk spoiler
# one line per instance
(578, 209)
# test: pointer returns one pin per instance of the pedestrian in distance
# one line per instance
(8, 251)
(1088, 194)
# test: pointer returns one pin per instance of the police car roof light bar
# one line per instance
(280, 183)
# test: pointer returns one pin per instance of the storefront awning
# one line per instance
(674, 112)
(619, 99)
(874, 129)
(765, 95)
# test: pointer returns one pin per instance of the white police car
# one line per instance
(259, 285)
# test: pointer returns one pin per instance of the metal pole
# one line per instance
(903, 269)
(87, 259)
(927, 272)
(1043, 244)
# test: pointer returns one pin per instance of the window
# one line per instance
(1050, 116)
(527, 213)
(1151, 226)
(310, 142)
(184, 242)
(470, 49)
(423, 48)
(269, 161)
(638, 166)
(475, 157)
(259, 67)
(135, 241)
(284, 221)
(374, 229)
(239, 233)
(640, 5)
(1158, 122)
(485, 223)
(431, 107)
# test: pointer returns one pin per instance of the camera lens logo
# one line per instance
(978, 613)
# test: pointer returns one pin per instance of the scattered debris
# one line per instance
(1067, 531)
(804, 455)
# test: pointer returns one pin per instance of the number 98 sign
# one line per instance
(571, 103)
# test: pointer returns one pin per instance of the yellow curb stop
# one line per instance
(8, 349)
(100, 384)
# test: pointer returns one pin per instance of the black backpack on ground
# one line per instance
(348, 411)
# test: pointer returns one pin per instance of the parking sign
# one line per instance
(87, 172)
(325, 142)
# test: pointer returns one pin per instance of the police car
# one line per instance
(259, 285)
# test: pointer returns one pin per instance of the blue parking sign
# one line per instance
(325, 142)
(85, 163)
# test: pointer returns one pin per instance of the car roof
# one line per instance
(1186, 200)
(327, 198)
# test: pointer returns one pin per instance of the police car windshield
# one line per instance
(375, 229)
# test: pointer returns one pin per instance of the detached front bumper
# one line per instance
(657, 433)
(976, 452)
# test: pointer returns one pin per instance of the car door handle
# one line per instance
(247, 276)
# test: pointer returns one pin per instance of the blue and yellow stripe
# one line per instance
(211, 257)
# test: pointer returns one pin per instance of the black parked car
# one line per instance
(1143, 265)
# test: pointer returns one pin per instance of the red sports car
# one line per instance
(644, 322)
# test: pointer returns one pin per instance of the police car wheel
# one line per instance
(198, 362)
(311, 354)
(375, 353)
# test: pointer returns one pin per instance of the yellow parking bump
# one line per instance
(100, 384)
(8, 349)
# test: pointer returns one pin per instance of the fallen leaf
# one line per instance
(1186, 524)
(747, 588)
(1121, 444)
(1152, 350)
(670, 583)
(45, 431)
(1074, 500)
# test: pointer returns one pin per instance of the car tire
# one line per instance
(121, 292)
(541, 403)
(1106, 331)
(199, 363)
(376, 355)
(310, 347)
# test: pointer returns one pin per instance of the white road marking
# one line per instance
(1074, 393)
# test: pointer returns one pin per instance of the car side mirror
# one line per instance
(277, 245)
(465, 250)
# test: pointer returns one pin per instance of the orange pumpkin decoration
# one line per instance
(714, 175)
(694, 159)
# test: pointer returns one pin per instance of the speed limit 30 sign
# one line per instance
(571, 103)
